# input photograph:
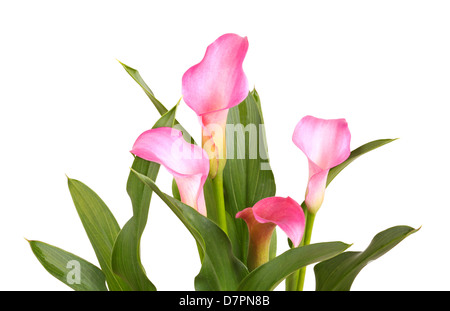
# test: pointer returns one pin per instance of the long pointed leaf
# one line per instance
(356, 153)
(220, 269)
(126, 260)
(158, 105)
(270, 274)
(101, 228)
(137, 77)
(70, 269)
(248, 177)
(338, 273)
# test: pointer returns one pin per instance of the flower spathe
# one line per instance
(326, 143)
(213, 86)
(188, 163)
(262, 219)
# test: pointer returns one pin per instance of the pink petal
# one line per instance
(188, 163)
(283, 212)
(326, 143)
(258, 231)
(218, 82)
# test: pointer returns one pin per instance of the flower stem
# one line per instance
(220, 201)
(306, 240)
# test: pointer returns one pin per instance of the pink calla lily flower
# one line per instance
(326, 143)
(188, 163)
(262, 219)
(213, 86)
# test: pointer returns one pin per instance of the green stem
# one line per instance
(306, 240)
(220, 201)
(294, 280)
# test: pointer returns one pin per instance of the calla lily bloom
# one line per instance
(262, 219)
(188, 163)
(326, 143)
(213, 86)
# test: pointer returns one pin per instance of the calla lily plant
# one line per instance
(228, 204)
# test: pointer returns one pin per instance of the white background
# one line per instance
(68, 107)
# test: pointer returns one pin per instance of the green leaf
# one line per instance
(248, 177)
(70, 269)
(101, 228)
(220, 270)
(126, 260)
(338, 273)
(137, 77)
(267, 276)
(160, 107)
(356, 154)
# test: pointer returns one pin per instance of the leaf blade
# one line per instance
(269, 275)
(126, 260)
(356, 153)
(248, 176)
(221, 270)
(101, 228)
(61, 264)
(338, 273)
(134, 73)
(137, 77)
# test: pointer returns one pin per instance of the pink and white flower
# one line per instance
(326, 143)
(262, 219)
(213, 86)
(188, 163)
